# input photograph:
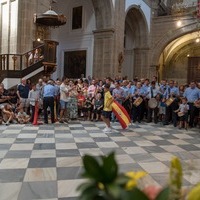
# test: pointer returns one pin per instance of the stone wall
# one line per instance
(164, 30)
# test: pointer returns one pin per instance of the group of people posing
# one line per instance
(66, 99)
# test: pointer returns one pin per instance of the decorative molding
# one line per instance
(107, 30)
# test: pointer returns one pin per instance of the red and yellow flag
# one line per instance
(121, 114)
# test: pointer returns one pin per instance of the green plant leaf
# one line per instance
(114, 190)
(164, 194)
(135, 194)
(110, 168)
(92, 168)
(89, 191)
(85, 185)
(122, 180)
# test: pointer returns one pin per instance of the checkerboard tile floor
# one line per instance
(44, 162)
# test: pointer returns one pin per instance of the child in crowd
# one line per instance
(22, 117)
(107, 109)
(162, 108)
(98, 106)
(33, 97)
(183, 113)
(88, 107)
(81, 103)
(8, 114)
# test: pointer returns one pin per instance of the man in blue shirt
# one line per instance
(126, 103)
(49, 93)
(138, 108)
(192, 94)
(171, 92)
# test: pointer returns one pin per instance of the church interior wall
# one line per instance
(74, 40)
(147, 37)
(177, 70)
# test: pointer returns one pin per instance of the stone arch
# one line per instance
(158, 48)
(173, 58)
(138, 21)
(182, 49)
(136, 42)
(104, 12)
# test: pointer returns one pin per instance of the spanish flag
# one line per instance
(121, 114)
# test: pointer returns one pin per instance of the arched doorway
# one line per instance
(135, 43)
(180, 59)
(173, 47)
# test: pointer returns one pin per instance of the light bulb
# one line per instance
(197, 40)
(179, 23)
(38, 39)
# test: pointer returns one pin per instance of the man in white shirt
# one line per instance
(64, 98)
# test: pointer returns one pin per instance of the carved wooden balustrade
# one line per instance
(19, 62)
(20, 65)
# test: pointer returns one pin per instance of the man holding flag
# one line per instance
(110, 105)
(107, 109)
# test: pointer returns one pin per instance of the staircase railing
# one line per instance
(19, 62)
(20, 65)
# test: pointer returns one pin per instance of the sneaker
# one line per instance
(61, 121)
(107, 130)
(104, 129)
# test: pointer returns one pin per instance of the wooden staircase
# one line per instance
(40, 59)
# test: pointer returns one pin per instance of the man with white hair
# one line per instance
(40, 86)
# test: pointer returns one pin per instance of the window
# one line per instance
(77, 17)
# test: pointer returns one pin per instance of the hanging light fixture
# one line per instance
(50, 18)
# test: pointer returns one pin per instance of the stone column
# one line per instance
(128, 63)
(153, 71)
(103, 53)
(119, 36)
(109, 45)
(26, 25)
(141, 64)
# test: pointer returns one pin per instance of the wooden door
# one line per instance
(193, 69)
(75, 64)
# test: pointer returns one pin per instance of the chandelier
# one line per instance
(50, 18)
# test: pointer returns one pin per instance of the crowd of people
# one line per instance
(144, 99)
